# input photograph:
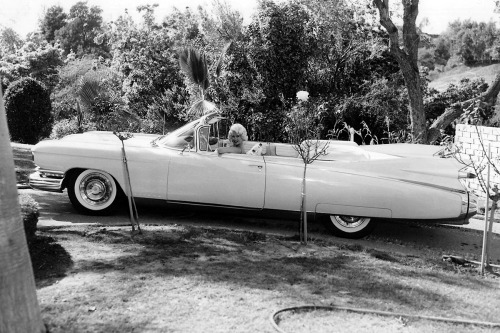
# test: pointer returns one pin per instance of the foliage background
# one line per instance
(336, 51)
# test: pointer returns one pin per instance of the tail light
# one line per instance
(466, 174)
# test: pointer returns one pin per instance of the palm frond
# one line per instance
(90, 88)
(194, 65)
(201, 107)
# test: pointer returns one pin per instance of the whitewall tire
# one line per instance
(93, 192)
(349, 226)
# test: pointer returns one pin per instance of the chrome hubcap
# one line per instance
(95, 189)
(350, 221)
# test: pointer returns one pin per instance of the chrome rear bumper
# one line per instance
(40, 181)
(472, 205)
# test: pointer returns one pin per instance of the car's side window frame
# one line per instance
(200, 141)
(212, 131)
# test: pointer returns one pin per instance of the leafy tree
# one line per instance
(185, 28)
(227, 22)
(344, 48)
(145, 57)
(43, 63)
(442, 51)
(280, 44)
(104, 106)
(268, 63)
(473, 41)
(335, 66)
(82, 32)
(39, 61)
(54, 19)
(28, 108)
(381, 105)
(66, 92)
(426, 58)
(10, 42)
(349, 61)
(466, 50)
(239, 93)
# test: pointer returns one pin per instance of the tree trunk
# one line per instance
(303, 209)
(19, 309)
(407, 57)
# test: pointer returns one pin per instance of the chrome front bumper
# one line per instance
(40, 180)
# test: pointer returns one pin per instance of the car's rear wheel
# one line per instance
(93, 192)
(349, 226)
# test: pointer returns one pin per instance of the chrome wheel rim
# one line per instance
(350, 221)
(349, 224)
(95, 189)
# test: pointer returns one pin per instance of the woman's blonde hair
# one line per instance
(239, 129)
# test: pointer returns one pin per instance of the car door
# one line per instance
(204, 177)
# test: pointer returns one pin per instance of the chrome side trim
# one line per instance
(445, 188)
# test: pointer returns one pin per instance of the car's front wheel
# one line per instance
(93, 192)
(349, 226)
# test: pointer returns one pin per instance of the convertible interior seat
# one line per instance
(272, 149)
(285, 150)
(247, 145)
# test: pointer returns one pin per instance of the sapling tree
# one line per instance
(303, 129)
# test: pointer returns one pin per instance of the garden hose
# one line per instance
(305, 308)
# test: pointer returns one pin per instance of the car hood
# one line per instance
(95, 144)
(108, 138)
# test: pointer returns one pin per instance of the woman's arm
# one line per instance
(234, 150)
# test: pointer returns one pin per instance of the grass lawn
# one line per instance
(195, 279)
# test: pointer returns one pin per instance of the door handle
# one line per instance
(256, 165)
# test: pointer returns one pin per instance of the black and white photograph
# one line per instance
(289, 166)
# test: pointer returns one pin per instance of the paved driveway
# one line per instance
(406, 238)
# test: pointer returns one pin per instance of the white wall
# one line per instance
(469, 138)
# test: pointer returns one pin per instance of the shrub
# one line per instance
(64, 127)
(29, 213)
(28, 108)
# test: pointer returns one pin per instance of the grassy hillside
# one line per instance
(442, 80)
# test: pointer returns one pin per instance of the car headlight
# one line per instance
(51, 174)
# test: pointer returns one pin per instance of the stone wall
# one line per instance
(469, 138)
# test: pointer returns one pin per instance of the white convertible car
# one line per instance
(349, 187)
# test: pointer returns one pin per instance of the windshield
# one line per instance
(181, 137)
